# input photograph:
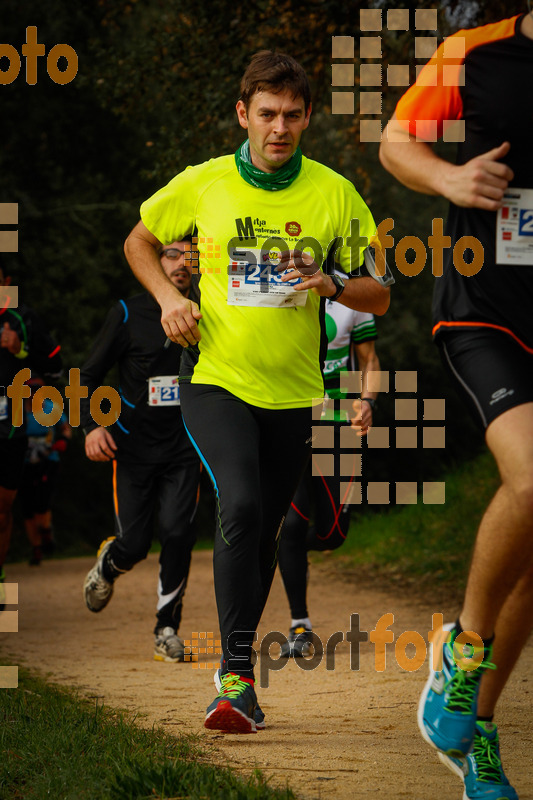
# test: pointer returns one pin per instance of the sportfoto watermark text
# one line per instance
(468, 650)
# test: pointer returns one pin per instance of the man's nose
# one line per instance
(280, 124)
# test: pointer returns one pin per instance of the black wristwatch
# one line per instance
(371, 402)
(340, 284)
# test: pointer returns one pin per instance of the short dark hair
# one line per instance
(186, 238)
(274, 72)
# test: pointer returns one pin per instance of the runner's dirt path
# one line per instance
(333, 735)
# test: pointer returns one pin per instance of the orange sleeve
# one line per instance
(436, 96)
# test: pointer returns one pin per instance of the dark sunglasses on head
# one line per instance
(173, 252)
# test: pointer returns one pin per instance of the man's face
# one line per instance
(275, 123)
(175, 266)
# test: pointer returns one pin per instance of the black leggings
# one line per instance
(255, 458)
(170, 490)
(37, 487)
(320, 495)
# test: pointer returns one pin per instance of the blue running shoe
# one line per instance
(259, 717)
(233, 709)
(447, 708)
(481, 771)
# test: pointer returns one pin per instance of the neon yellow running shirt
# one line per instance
(256, 342)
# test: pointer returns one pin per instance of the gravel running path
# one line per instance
(332, 735)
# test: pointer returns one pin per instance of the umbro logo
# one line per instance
(500, 394)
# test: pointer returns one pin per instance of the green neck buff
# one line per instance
(271, 181)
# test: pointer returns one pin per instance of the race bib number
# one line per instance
(163, 391)
(3, 408)
(253, 281)
(514, 228)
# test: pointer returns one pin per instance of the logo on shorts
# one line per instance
(500, 394)
(293, 228)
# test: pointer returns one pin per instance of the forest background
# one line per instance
(155, 91)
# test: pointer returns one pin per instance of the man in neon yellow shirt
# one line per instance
(251, 374)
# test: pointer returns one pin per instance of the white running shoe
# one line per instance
(168, 645)
(97, 590)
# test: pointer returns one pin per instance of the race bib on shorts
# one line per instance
(253, 281)
(514, 228)
(163, 391)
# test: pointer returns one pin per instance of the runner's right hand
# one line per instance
(100, 445)
(179, 320)
(481, 182)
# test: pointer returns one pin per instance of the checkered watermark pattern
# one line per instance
(9, 623)
(402, 436)
(202, 246)
(372, 75)
(9, 214)
(202, 643)
(9, 239)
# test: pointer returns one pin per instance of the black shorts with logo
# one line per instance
(491, 371)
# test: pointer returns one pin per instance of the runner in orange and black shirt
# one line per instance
(479, 79)
(499, 297)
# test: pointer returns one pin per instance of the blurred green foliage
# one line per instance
(155, 91)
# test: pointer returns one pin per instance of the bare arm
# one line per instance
(365, 294)
(178, 315)
(480, 183)
(368, 361)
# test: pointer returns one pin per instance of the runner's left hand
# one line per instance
(308, 270)
(363, 417)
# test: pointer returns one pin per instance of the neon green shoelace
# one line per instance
(489, 765)
(462, 687)
(232, 685)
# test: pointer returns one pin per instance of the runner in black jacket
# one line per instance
(154, 463)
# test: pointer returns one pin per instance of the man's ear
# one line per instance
(241, 114)
(308, 115)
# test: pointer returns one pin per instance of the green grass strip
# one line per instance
(429, 544)
(57, 745)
